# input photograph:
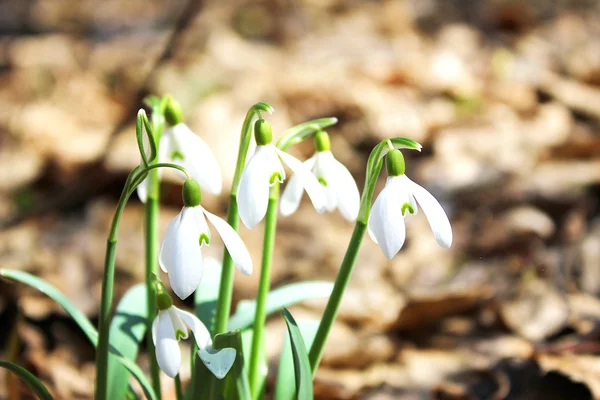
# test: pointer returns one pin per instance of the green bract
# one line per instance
(263, 134)
(191, 193)
(394, 163)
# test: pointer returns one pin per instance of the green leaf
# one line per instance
(235, 386)
(127, 330)
(81, 320)
(285, 386)
(219, 362)
(284, 296)
(298, 133)
(34, 383)
(302, 370)
(205, 297)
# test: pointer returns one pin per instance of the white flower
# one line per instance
(340, 188)
(168, 328)
(179, 145)
(263, 170)
(399, 197)
(171, 325)
(181, 250)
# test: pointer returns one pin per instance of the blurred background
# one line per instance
(504, 96)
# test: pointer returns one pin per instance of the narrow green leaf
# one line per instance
(285, 386)
(34, 383)
(235, 386)
(81, 320)
(302, 371)
(127, 330)
(284, 296)
(205, 297)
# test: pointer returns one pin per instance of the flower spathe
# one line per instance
(264, 170)
(399, 198)
(169, 326)
(338, 184)
(181, 250)
(179, 145)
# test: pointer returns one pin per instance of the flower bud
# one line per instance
(394, 163)
(173, 113)
(191, 193)
(262, 132)
(322, 142)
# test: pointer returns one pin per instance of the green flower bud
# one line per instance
(322, 142)
(262, 132)
(163, 301)
(191, 193)
(173, 113)
(394, 163)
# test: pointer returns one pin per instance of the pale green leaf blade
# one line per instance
(86, 326)
(302, 370)
(285, 386)
(284, 296)
(127, 330)
(205, 297)
(34, 383)
(235, 386)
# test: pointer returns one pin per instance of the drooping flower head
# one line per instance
(179, 145)
(338, 184)
(173, 324)
(181, 250)
(398, 199)
(264, 170)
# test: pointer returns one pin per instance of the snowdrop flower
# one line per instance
(181, 250)
(179, 145)
(263, 170)
(399, 197)
(172, 324)
(338, 184)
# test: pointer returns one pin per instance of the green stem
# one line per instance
(178, 391)
(227, 274)
(151, 241)
(226, 286)
(333, 304)
(263, 290)
(108, 278)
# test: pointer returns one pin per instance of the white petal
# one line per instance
(201, 334)
(168, 353)
(142, 190)
(307, 178)
(292, 194)
(163, 152)
(386, 223)
(181, 254)
(199, 159)
(155, 329)
(170, 232)
(234, 244)
(181, 331)
(436, 216)
(348, 196)
(324, 169)
(253, 192)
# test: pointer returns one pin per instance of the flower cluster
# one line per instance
(329, 186)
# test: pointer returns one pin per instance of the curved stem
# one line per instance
(178, 391)
(108, 278)
(227, 275)
(263, 291)
(333, 304)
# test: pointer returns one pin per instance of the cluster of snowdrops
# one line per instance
(230, 362)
